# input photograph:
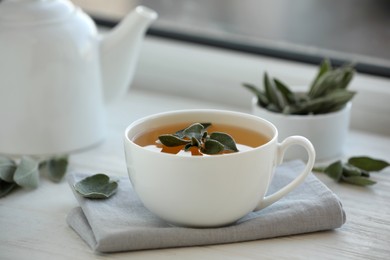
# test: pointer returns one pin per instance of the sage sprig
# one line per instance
(196, 135)
(327, 93)
(26, 172)
(355, 171)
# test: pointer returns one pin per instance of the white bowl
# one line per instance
(327, 132)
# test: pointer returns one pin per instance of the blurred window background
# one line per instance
(302, 30)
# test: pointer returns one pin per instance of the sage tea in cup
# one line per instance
(244, 139)
(207, 187)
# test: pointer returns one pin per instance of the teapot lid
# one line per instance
(34, 11)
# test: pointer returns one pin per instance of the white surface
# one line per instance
(32, 223)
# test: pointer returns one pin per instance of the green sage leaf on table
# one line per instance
(358, 180)
(7, 169)
(368, 164)
(356, 171)
(98, 186)
(55, 168)
(6, 187)
(335, 170)
(27, 173)
(350, 170)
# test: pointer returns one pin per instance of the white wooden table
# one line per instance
(32, 223)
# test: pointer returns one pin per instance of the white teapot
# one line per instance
(57, 73)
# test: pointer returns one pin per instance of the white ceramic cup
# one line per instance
(208, 191)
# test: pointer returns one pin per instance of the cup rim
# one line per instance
(194, 111)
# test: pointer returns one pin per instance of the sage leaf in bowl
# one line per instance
(327, 93)
(98, 186)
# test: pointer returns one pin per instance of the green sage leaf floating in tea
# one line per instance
(27, 173)
(212, 147)
(195, 130)
(98, 186)
(196, 135)
(181, 133)
(225, 139)
(7, 169)
(172, 140)
(356, 171)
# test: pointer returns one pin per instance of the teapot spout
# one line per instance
(120, 49)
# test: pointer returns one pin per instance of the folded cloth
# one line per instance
(121, 223)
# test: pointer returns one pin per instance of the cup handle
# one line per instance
(281, 149)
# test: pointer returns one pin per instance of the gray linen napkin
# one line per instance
(121, 223)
